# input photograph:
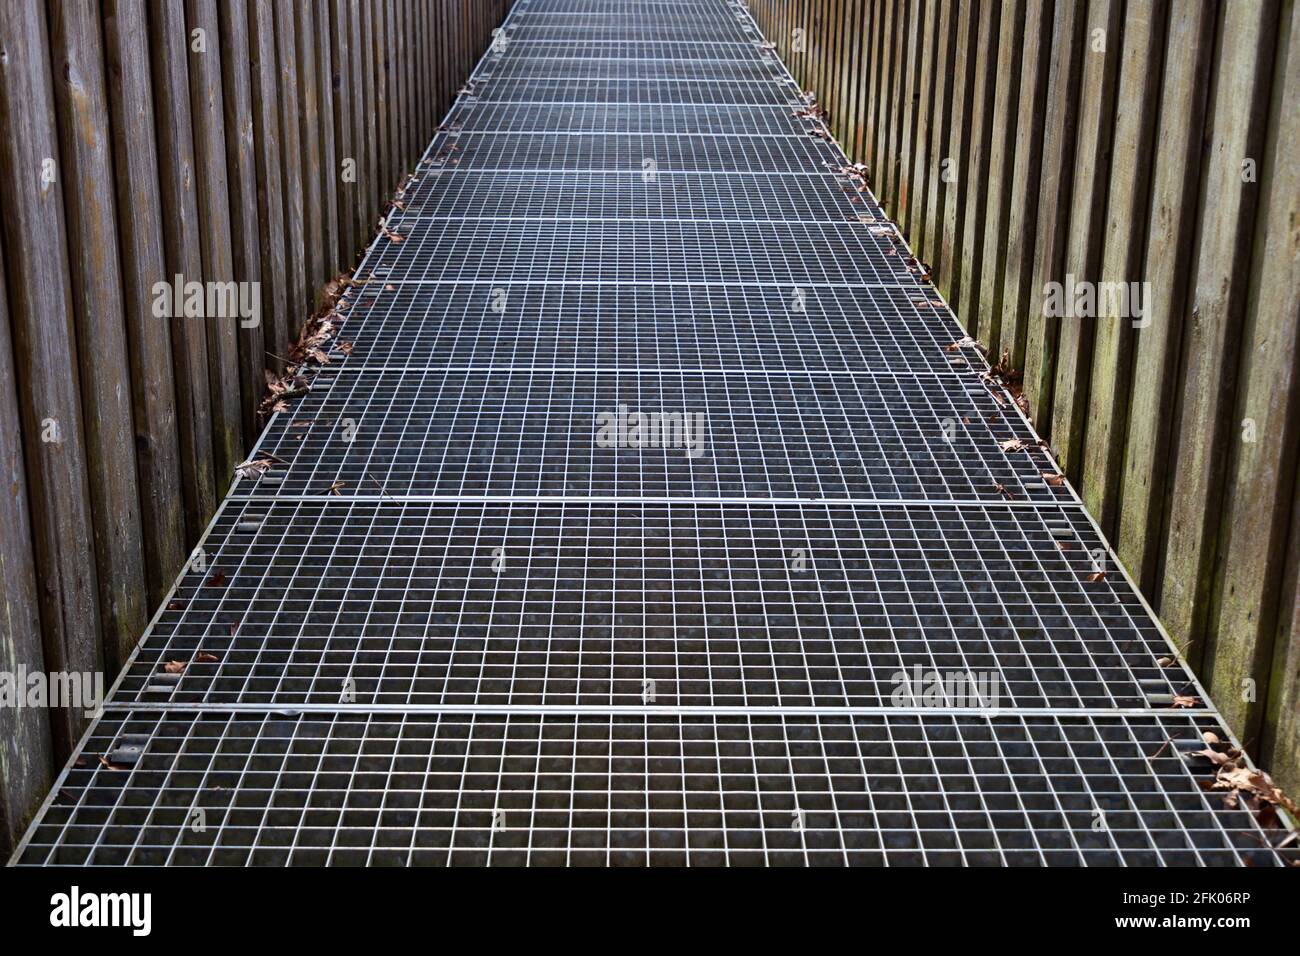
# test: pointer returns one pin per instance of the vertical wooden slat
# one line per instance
(1281, 727)
(871, 148)
(309, 120)
(954, 213)
(975, 171)
(372, 131)
(329, 164)
(344, 92)
(1001, 158)
(267, 150)
(941, 137)
(909, 96)
(1123, 253)
(1175, 186)
(895, 115)
(182, 256)
(853, 76)
(1019, 298)
(1247, 35)
(291, 150)
(241, 177)
(363, 144)
(401, 99)
(887, 108)
(85, 165)
(396, 154)
(27, 757)
(44, 347)
(1055, 183)
(1087, 226)
(213, 201)
(920, 156)
(379, 47)
(140, 237)
(1262, 453)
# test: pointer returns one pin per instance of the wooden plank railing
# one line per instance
(1115, 141)
(254, 141)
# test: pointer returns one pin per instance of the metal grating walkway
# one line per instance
(454, 623)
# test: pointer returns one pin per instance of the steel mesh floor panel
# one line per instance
(673, 119)
(791, 254)
(613, 48)
(581, 69)
(822, 329)
(638, 433)
(716, 603)
(660, 8)
(221, 789)
(558, 92)
(629, 30)
(645, 193)
(850, 614)
(587, 151)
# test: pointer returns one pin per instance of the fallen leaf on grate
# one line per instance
(1233, 775)
(255, 467)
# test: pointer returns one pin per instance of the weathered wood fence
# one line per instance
(1025, 142)
(254, 141)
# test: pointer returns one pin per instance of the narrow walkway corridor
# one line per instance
(651, 509)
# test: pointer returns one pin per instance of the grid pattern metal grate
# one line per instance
(455, 622)
(724, 434)
(794, 254)
(749, 153)
(224, 788)
(644, 194)
(750, 328)
(717, 602)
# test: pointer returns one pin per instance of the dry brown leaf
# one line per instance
(1182, 700)
(255, 468)
(174, 667)
(1097, 576)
